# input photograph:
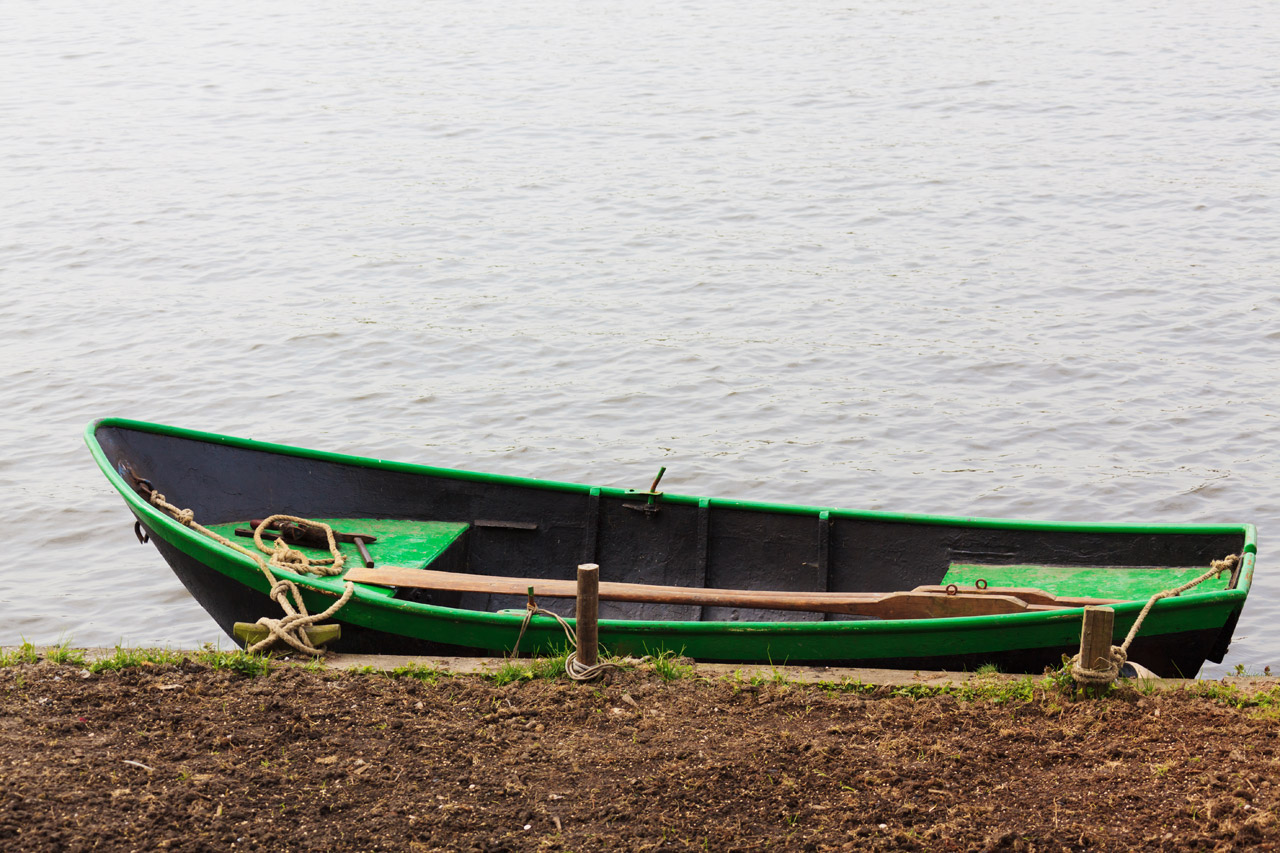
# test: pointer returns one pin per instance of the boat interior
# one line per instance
(486, 526)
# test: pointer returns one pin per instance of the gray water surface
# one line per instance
(966, 258)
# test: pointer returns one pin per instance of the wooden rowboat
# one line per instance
(454, 554)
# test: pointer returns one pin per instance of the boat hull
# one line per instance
(225, 479)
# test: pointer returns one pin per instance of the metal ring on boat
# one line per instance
(980, 583)
(952, 589)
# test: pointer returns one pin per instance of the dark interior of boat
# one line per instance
(546, 531)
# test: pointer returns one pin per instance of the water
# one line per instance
(953, 257)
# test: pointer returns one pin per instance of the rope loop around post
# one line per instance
(572, 667)
(1085, 676)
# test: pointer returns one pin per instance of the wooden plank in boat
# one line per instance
(926, 603)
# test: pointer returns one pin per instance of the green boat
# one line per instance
(445, 559)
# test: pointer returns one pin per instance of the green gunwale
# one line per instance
(578, 488)
(831, 640)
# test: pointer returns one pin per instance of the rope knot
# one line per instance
(281, 588)
(1226, 564)
(1102, 675)
(284, 557)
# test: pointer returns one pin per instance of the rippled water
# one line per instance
(952, 257)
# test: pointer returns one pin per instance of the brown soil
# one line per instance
(187, 758)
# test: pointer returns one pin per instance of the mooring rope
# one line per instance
(291, 629)
(573, 668)
(1120, 654)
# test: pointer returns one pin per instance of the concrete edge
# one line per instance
(745, 672)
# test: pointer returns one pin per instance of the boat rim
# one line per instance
(1248, 530)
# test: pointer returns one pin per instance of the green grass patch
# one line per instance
(670, 666)
(315, 664)
(238, 661)
(25, 653)
(511, 672)
(64, 655)
(419, 672)
(1232, 696)
(985, 686)
(1003, 692)
(134, 658)
(550, 667)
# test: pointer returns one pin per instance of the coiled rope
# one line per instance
(1120, 654)
(291, 628)
(573, 668)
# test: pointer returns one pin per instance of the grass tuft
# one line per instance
(63, 654)
(134, 658)
(1233, 697)
(670, 666)
(1022, 690)
(419, 672)
(549, 667)
(25, 653)
(510, 672)
(239, 662)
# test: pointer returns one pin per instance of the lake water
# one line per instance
(961, 257)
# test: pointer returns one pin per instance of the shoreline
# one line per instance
(782, 673)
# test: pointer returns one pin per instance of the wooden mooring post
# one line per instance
(587, 614)
(1095, 641)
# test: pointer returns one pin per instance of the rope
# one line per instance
(291, 629)
(573, 668)
(1120, 654)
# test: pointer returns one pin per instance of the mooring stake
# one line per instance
(1095, 637)
(1095, 665)
(588, 613)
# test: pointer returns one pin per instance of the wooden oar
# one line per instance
(915, 604)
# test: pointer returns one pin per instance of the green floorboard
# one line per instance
(399, 543)
(1126, 583)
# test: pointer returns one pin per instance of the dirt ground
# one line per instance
(187, 758)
